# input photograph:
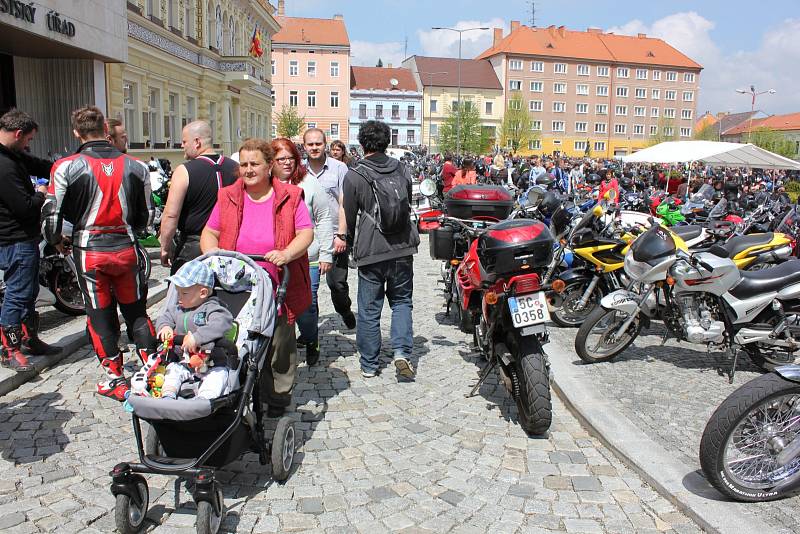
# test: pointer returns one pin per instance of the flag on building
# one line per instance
(256, 50)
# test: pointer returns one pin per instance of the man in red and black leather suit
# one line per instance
(102, 192)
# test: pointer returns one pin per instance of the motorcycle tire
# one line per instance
(595, 317)
(533, 401)
(746, 414)
(762, 358)
(145, 263)
(564, 318)
(62, 283)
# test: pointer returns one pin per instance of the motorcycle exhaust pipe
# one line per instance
(789, 452)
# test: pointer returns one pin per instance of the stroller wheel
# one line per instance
(152, 447)
(208, 521)
(129, 516)
(283, 444)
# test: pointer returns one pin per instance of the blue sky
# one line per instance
(739, 43)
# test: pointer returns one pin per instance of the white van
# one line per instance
(398, 153)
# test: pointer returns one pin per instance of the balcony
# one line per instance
(241, 71)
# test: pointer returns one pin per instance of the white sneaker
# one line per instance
(404, 367)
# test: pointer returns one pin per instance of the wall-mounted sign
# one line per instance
(18, 10)
(56, 24)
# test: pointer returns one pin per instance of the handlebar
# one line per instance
(463, 223)
(280, 293)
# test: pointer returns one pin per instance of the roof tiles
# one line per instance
(475, 73)
(380, 78)
(787, 122)
(307, 31)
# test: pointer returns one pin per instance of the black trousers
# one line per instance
(336, 279)
(185, 249)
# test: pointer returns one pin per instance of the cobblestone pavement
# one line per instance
(670, 393)
(375, 455)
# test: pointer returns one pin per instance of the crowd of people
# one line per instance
(300, 216)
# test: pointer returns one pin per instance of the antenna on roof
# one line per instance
(533, 13)
(405, 48)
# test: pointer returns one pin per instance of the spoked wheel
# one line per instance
(208, 521)
(740, 448)
(64, 286)
(283, 445)
(569, 314)
(596, 340)
(129, 516)
(532, 390)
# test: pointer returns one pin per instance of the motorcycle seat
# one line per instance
(690, 231)
(767, 280)
(737, 244)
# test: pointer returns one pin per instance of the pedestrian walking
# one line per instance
(101, 192)
(20, 212)
(192, 195)
(331, 172)
(378, 190)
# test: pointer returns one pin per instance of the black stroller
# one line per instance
(193, 436)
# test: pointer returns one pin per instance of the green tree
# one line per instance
(708, 133)
(772, 140)
(474, 139)
(662, 134)
(515, 130)
(289, 122)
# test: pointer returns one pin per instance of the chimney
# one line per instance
(388, 65)
(338, 16)
(641, 35)
(551, 30)
(594, 30)
(562, 31)
(281, 8)
(514, 25)
(498, 36)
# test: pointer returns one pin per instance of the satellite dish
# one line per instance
(394, 82)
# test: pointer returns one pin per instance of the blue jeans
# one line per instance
(393, 279)
(20, 263)
(308, 322)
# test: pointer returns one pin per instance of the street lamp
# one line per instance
(430, 120)
(458, 100)
(752, 92)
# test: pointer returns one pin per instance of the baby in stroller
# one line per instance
(202, 321)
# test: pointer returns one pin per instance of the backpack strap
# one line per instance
(217, 167)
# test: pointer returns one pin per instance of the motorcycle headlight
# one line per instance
(636, 269)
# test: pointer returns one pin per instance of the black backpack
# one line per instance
(392, 212)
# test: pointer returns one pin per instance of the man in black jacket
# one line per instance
(20, 213)
(385, 260)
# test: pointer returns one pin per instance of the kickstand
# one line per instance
(486, 370)
(733, 365)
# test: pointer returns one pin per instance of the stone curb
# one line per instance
(70, 340)
(683, 486)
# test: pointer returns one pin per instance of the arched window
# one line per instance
(189, 18)
(231, 37)
(218, 23)
(172, 15)
(210, 23)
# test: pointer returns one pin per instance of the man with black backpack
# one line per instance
(377, 192)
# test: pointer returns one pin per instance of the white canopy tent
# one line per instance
(713, 153)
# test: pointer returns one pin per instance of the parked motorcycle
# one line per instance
(701, 298)
(750, 449)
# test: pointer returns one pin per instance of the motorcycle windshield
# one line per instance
(720, 210)
(704, 194)
(788, 221)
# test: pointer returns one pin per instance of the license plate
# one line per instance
(528, 310)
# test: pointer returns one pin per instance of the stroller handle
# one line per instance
(280, 294)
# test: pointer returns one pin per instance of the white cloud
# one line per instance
(443, 43)
(366, 54)
(768, 66)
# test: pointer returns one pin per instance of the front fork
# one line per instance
(633, 314)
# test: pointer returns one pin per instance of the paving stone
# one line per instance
(586, 484)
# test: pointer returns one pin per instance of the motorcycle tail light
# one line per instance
(526, 284)
(491, 297)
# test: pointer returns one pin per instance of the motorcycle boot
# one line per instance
(116, 386)
(31, 343)
(12, 357)
(144, 337)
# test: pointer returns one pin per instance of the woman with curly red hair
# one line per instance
(287, 167)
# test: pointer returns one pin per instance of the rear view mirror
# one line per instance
(427, 187)
(597, 211)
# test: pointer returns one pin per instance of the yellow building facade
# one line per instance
(189, 60)
(437, 101)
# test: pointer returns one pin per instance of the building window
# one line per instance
(602, 72)
(535, 105)
(293, 98)
(670, 95)
(536, 126)
(395, 112)
(639, 111)
(189, 16)
(686, 132)
(657, 75)
(537, 87)
(580, 146)
(434, 130)
(212, 118)
(581, 108)
(599, 146)
(411, 113)
(622, 72)
(515, 104)
(601, 109)
(537, 66)
(535, 144)
(362, 111)
(395, 136)
(641, 92)
(622, 92)
(559, 88)
(515, 85)
(641, 74)
(669, 131)
(129, 104)
(602, 90)
(582, 89)
(312, 69)
(294, 68)
(433, 106)
(581, 127)
(218, 24)
(272, 95)
(172, 119)
(621, 111)
(379, 111)
(272, 64)
(515, 64)
(150, 118)
(334, 99)
(600, 127)
(312, 99)
(583, 70)
(410, 139)
(653, 130)
(654, 113)
(620, 129)
(489, 108)
(669, 113)
(686, 114)
(560, 68)
(638, 129)
(672, 76)
(231, 36)
(334, 69)
(191, 111)
(310, 125)
(655, 94)
(688, 96)
(559, 107)
(334, 130)
(688, 77)
(558, 126)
